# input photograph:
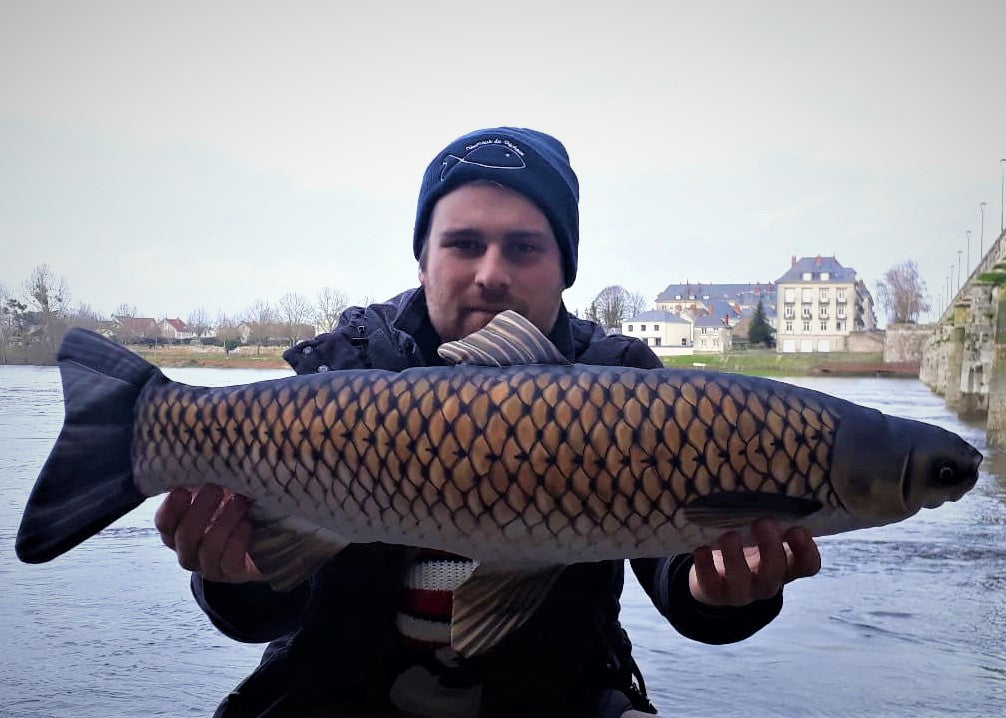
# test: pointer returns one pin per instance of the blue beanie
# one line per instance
(528, 161)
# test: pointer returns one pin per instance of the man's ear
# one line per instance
(422, 277)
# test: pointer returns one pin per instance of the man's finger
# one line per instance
(193, 525)
(170, 513)
(772, 565)
(736, 572)
(708, 586)
(806, 558)
(222, 524)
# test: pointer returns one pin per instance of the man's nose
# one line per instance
(493, 272)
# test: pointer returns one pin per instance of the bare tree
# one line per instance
(198, 322)
(228, 332)
(84, 316)
(48, 297)
(331, 302)
(635, 303)
(295, 311)
(263, 322)
(613, 304)
(125, 310)
(902, 293)
(6, 322)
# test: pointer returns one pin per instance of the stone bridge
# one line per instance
(964, 358)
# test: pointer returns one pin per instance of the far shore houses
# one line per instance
(816, 306)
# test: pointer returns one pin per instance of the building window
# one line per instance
(790, 295)
(840, 326)
(684, 342)
(824, 326)
(822, 311)
(825, 276)
(716, 342)
(805, 314)
(630, 327)
(806, 326)
(823, 296)
(789, 311)
(702, 331)
(840, 295)
(808, 295)
(656, 342)
(789, 326)
(840, 312)
(807, 276)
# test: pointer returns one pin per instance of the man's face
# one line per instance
(490, 249)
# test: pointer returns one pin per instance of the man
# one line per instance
(496, 228)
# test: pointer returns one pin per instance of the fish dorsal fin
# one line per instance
(736, 509)
(509, 339)
(286, 550)
(494, 602)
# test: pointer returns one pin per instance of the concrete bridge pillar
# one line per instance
(955, 359)
(995, 423)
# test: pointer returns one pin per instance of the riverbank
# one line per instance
(768, 362)
(173, 357)
(764, 362)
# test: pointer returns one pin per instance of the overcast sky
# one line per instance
(176, 155)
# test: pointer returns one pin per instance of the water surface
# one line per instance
(904, 620)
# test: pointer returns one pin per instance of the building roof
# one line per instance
(816, 265)
(136, 324)
(658, 315)
(708, 320)
(740, 293)
(178, 324)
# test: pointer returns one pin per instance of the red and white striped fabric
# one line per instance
(425, 615)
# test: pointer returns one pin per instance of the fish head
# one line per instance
(887, 468)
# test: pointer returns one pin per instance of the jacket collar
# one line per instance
(413, 319)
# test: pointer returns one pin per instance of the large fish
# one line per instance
(512, 457)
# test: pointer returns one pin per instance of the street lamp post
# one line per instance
(1002, 195)
(959, 253)
(968, 233)
(950, 282)
(981, 235)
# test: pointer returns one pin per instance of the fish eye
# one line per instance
(947, 473)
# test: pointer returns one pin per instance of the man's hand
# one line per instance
(734, 575)
(210, 531)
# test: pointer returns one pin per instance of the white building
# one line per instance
(819, 303)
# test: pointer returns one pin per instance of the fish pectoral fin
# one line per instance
(736, 509)
(287, 549)
(495, 601)
(509, 339)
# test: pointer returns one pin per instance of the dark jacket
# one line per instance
(334, 638)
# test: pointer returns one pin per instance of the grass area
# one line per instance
(767, 362)
(243, 358)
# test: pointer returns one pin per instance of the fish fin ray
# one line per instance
(86, 482)
(736, 509)
(493, 603)
(509, 339)
(287, 549)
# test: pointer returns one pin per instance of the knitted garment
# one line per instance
(425, 615)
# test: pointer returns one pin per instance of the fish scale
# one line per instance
(593, 463)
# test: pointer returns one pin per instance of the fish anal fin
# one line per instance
(736, 509)
(509, 339)
(494, 602)
(287, 550)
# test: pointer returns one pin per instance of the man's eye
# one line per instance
(524, 248)
(463, 245)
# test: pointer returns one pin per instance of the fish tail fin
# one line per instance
(87, 483)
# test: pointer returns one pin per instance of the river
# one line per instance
(903, 620)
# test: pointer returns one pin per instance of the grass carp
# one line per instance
(510, 456)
